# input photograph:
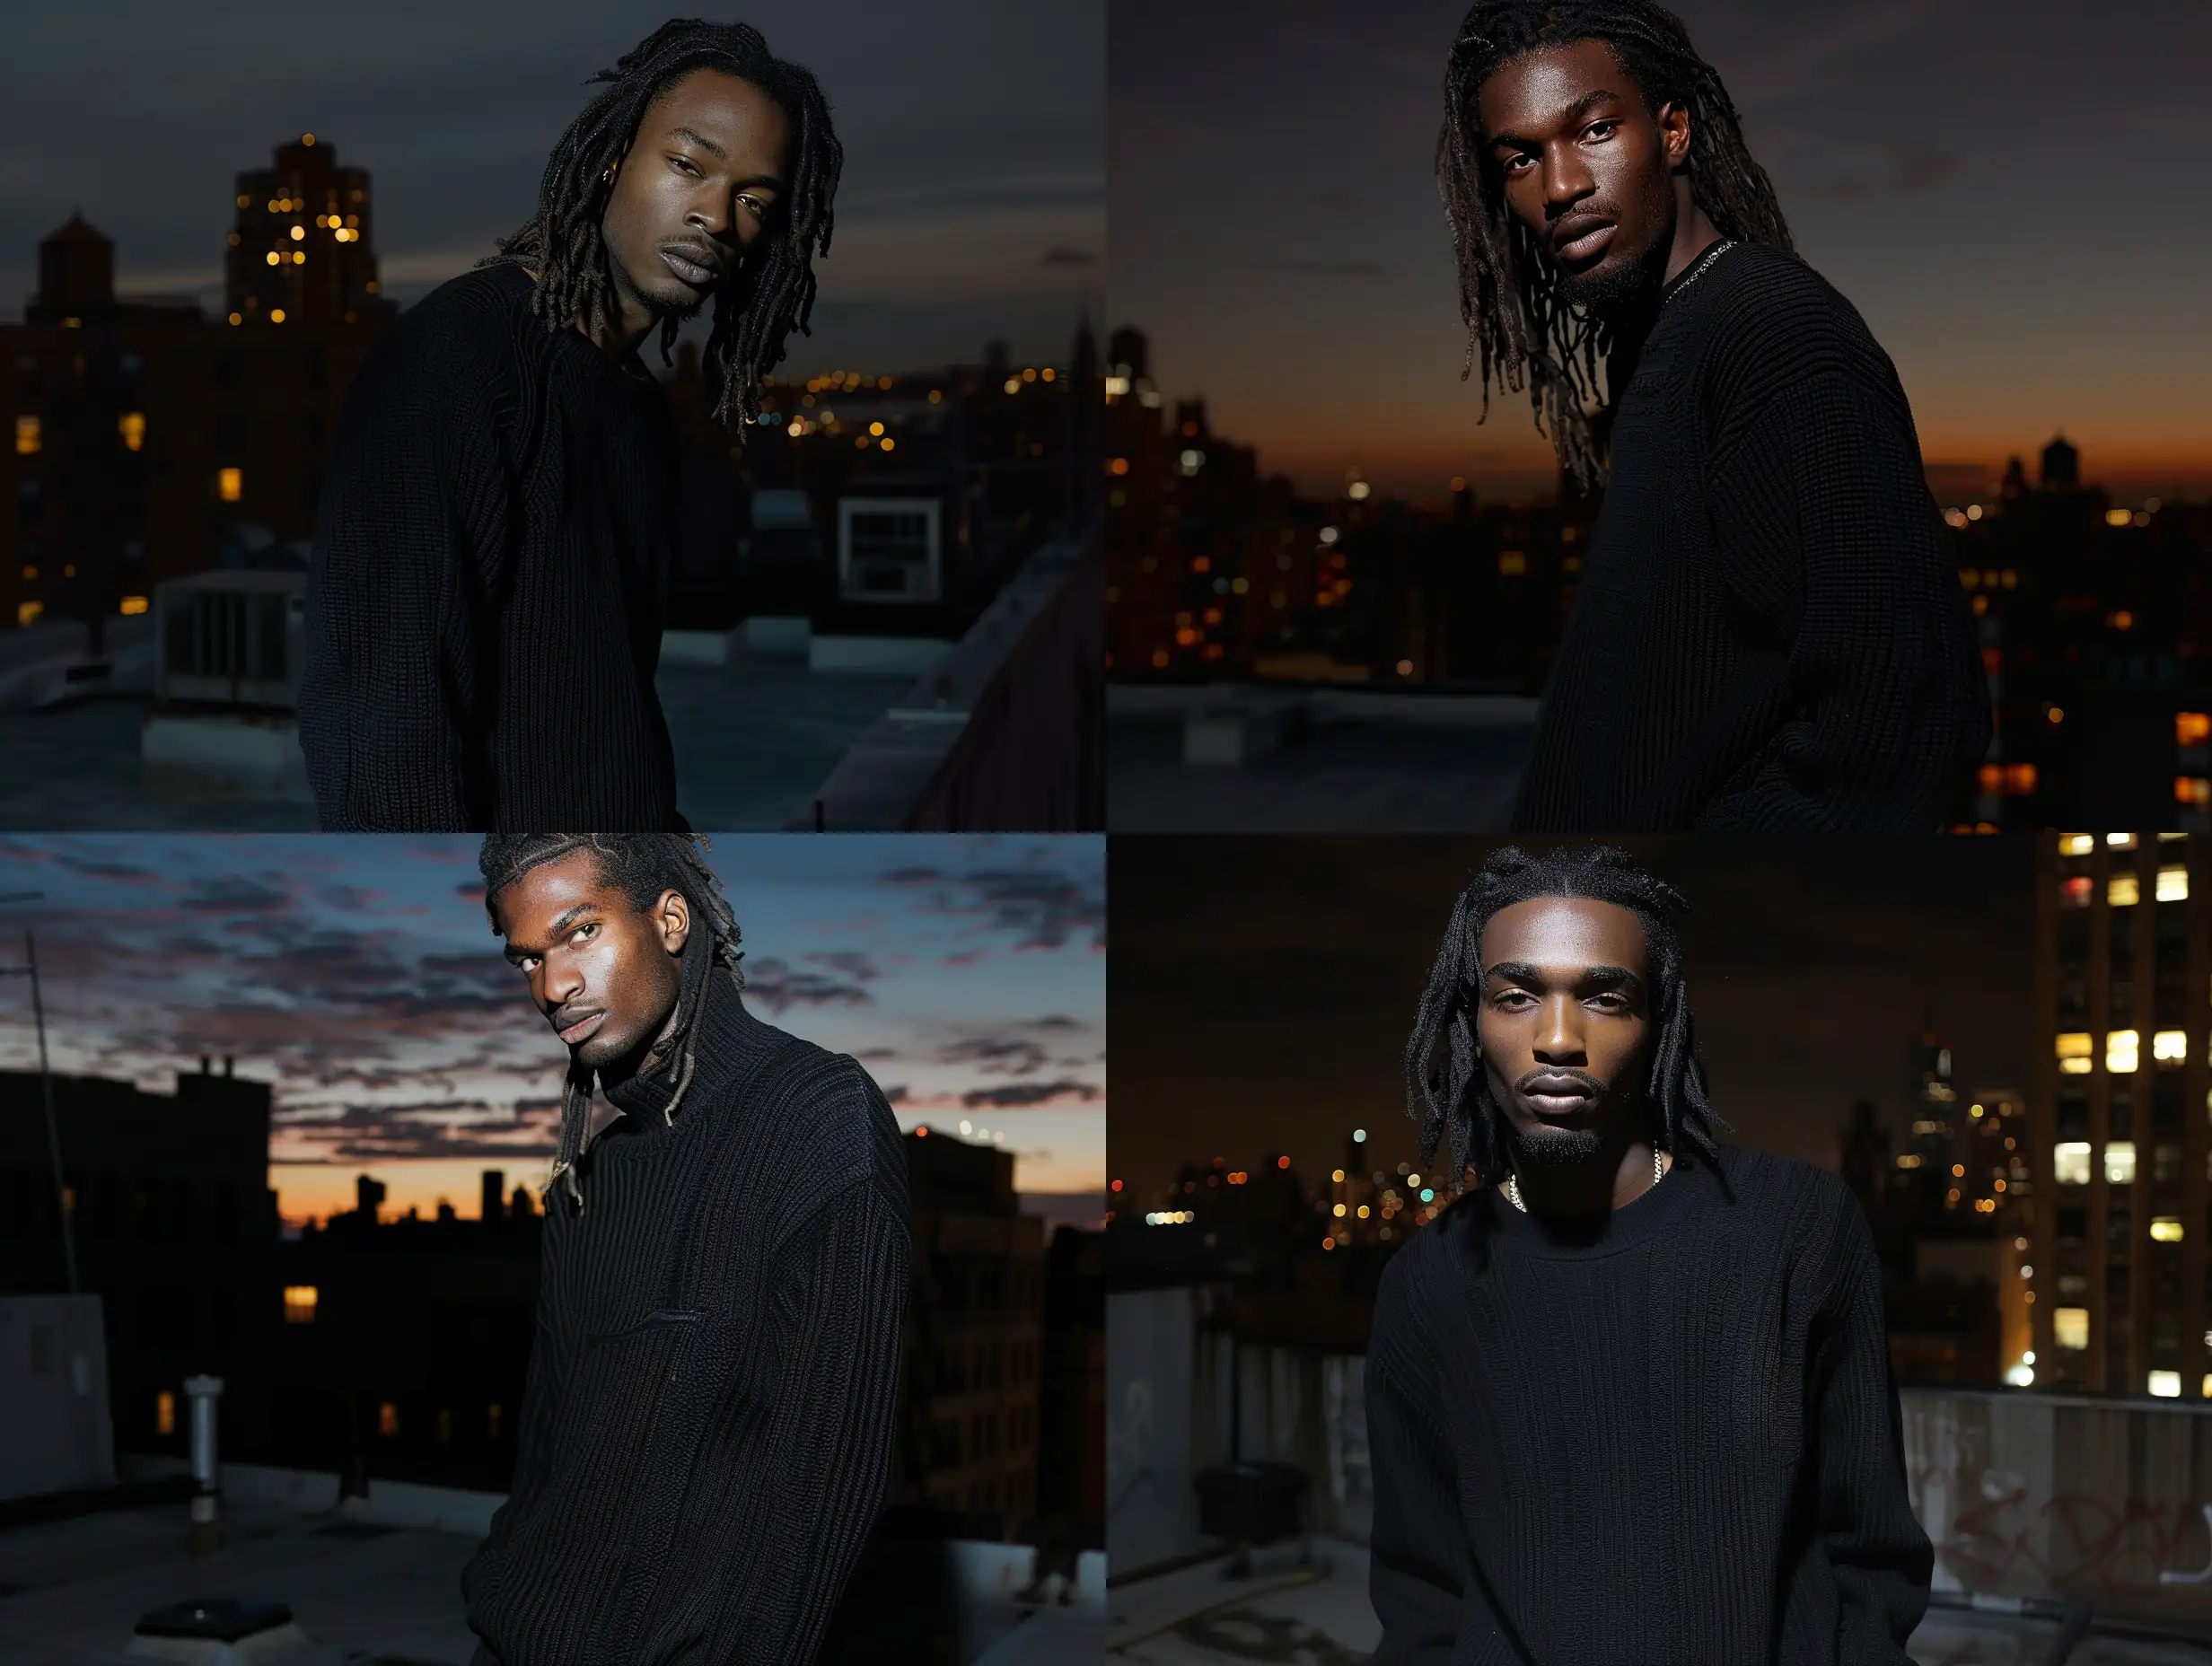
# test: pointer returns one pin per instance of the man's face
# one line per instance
(701, 179)
(1564, 1023)
(1587, 167)
(605, 973)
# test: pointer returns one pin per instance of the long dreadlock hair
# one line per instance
(643, 866)
(1451, 1094)
(1516, 322)
(764, 296)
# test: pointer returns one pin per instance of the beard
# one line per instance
(1553, 1148)
(1616, 286)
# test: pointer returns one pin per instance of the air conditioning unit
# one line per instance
(231, 638)
(889, 548)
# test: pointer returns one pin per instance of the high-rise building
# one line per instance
(303, 246)
(2117, 1116)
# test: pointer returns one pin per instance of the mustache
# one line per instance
(1553, 1073)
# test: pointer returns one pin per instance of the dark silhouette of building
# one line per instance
(302, 248)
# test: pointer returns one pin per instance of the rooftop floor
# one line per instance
(754, 740)
(1316, 1614)
(1318, 760)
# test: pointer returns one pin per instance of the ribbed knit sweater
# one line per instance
(706, 1429)
(484, 601)
(1769, 633)
(1672, 1440)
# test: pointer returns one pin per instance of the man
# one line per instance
(706, 1429)
(486, 599)
(1629, 1399)
(1768, 631)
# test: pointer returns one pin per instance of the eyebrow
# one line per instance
(692, 136)
(1575, 112)
(559, 929)
(1590, 977)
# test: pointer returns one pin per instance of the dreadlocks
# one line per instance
(642, 866)
(764, 296)
(1454, 1095)
(1509, 298)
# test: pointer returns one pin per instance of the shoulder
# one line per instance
(1769, 322)
(832, 1119)
(1808, 1211)
(455, 342)
(1418, 1279)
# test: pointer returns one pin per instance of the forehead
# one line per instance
(523, 905)
(733, 112)
(1564, 932)
(1539, 90)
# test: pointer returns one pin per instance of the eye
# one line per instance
(760, 208)
(684, 163)
(1519, 161)
(1602, 129)
(525, 962)
(584, 933)
(1514, 1000)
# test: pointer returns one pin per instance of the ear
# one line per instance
(673, 915)
(1674, 133)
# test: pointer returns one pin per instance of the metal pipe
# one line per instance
(206, 1393)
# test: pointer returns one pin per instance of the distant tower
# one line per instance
(302, 244)
(2015, 479)
(1126, 352)
(1086, 421)
(76, 275)
(2062, 467)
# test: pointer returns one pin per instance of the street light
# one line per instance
(30, 968)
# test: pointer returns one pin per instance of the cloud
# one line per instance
(1885, 170)
(1013, 1095)
(779, 986)
(1040, 908)
(1013, 1055)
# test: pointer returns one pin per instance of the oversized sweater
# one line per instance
(484, 601)
(1769, 633)
(706, 1427)
(1670, 1441)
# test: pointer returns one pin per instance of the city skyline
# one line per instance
(973, 205)
(1813, 974)
(1294, 269)
(361, 977)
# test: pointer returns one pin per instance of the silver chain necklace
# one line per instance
(1513, 1186)
(1698, 270)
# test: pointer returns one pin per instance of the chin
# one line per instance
(603, 1050)
(1617, 279)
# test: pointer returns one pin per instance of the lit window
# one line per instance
(276, 315)
(1911, 1158)
(2174, 884)
(2121, 1050)
(300, 1305)
(229, 484)
(2192, 790)
(2076, 843)
(1512, 562)
(1357, 491)
(2119, 1164)
(388, 1420)
(2077, 892)
(1340, 1209)
(298, 232)
(2193, 728)
(2070, 1163)
(2166, 1228)
(164, 1412)
(133, 604)
(28, 436)
(28, 613)
(2122, 891)
(2075, 1052)
(2170, 1046)
(2119, 841)
(2166, 1385)
(274, 257)
(2070, 1326)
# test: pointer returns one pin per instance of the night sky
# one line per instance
(1261, 989)
(2003, 188)
(361, 977)
(973, 202)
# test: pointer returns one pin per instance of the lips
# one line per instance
(1580, 240)
(1556, 1096)
(580, 1028)
(694, 264)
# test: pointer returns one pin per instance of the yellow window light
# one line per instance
(274, 257)
(2076, 1050)
(2070, 1326)
(165, 1413)
(134, 604)
(2174, 884)
(30, 436)
(276, 315)
(2122, 891)
(2076, 843)
(2119, 1164)
(2121, 1052)
(2166, 1230)
(2119, 841)
(300, 1305)
(29, 613)
(132, 427)
(2170, 1046)
(2069, 1162)
(2166, 1385)
(229, 484)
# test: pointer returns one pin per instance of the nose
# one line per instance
(1558, 1036)
(1567, 177)
(558, 981)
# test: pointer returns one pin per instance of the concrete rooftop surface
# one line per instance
(1289, 1612)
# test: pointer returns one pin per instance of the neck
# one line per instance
(644, 1056)
(1617, 1176)
(1693, 233)
(633, 322)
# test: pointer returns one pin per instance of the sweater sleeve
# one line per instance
(1416, 1572)
(412, 516)
(1826, 531)
(774, 1563)
(1880, 1558)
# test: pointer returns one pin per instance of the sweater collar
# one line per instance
(1687, 1189)
(721, 1039)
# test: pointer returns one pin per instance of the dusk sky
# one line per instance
(360, 977)
(1999, 185)
(1263, 989)
(973, 202)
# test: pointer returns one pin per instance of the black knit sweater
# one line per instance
(1674, 1440)
(485, 602)
(707, 1430)
(1769, 633)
